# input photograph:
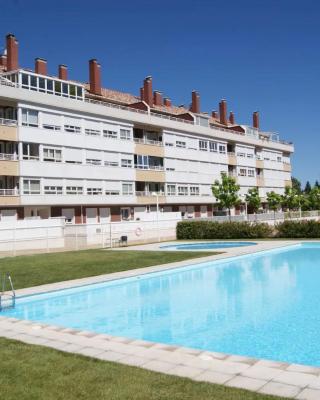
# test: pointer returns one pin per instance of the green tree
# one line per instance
(317, 184)
(253, 199)
(226, 192)
(296, 184)
(307, 188)
(274, 202)
(314, 198)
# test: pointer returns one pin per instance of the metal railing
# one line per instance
(8, 122)
(148, 141)
(148, 193)
(9, 192)
(7, 300)
(150, 167)
(8, 157)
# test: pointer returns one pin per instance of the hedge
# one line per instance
(246, 230)
(222, 230)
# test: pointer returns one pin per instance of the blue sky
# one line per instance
(259, 55)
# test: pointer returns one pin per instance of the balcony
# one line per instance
(9, 197)
(260, 181)
(259, 164)
(287, 167)
(8, 130)
(232, 159)
(148, 197)
(9, 164)
(150, 175)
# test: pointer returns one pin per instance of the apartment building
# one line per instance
(92, 154)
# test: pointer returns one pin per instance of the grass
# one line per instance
(29, 372)
(27, 271)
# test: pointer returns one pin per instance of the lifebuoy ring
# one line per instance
(138, 231)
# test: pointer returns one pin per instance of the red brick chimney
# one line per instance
(147, 90)
(41, 66)
(223, 112)
(63, 72)
(231, 118)
(195, 105)
(95, 77)
(141, 93)
(256, 120)
(12, 53)
(3, 60)
(167, 102)
(157, 98)
(214, 114)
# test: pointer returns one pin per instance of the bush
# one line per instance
(222, 230)
(298, 229)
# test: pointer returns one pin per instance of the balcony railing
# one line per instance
(8, 157)
(8, 122)
(149, 167)
(148, 141)
(9, 192)
(148, 193)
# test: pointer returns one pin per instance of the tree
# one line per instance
(317, 184)
(226, 192)
(291, 200)
(314, 198)
(253, 199)
(296, 184)
(307, 188)
(274, 201)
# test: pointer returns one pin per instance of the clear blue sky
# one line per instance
(259, 55)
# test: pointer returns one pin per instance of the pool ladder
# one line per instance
(7, 300)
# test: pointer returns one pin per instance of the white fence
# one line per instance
(45, 235)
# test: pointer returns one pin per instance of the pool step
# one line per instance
(7, 300)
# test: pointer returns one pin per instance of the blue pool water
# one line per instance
(265, 305)
(207, 245)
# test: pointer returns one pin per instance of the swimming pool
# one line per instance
(207, 245)
(264, 305)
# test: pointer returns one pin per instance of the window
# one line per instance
(171, 190)
(126, 163)
(194, 191)
(93, 161)
(213, 147)
(242, 172)
(94, 191)
(53, 190)
(141, 162)
(279, 159)
(222, 149)
(112, 192)
(74, 190)
(42, 85)
(92, 132)
(241, 154)
(72, 128)
(111, 164)
(125, 213)
(180, 144)
(251, 172)
(53, 155)
(51, 127)
(125, 134)
(127, 189)
(203, 145)
(31, 186)
(25, 81)
(183, 190)
(29, 117)
(249, 155)
(110, 134)
(168, 144)
(30, 151)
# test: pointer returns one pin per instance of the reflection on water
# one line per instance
(261, 306)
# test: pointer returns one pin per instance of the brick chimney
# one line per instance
(223, 112)
(12, 53)
(147, 90)
(3, 60)
(63, 72)
(41, 66)
(256, 120)
(95, 77)
(167, 102)
(141, 93)
(231, 118)
(214, 114)
(195, 105)
(157, 98)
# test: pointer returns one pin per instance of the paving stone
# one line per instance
(294, 378)
(241, 359)
(205, 355)
(89, 351)
(309, 394)
(187, 350)
(133, 360)
(265, 373)
(186, 372)
(71, 348)
(280, 389)
(159, 366)
(272, 364)
(243, 382)
(303, 368)
(55, 344)
(110, 356)
(142, 343)
(315, 384)
(214, 377)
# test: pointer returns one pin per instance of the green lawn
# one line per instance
(27, 271)
(29, 372)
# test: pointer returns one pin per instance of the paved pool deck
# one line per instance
(262, 376)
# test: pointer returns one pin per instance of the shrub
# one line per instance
(222, 230)
(298, 229)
